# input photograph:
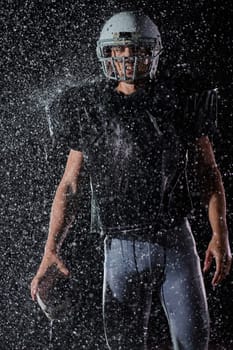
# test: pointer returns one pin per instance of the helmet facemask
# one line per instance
(143, 59)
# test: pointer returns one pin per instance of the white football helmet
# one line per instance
(136, 31)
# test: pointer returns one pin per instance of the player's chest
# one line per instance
(123, 134)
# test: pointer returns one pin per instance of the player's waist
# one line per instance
(151, 231)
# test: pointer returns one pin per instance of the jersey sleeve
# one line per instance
(201, 114)
(65, 120)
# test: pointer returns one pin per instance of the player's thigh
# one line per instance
(183, 293)
(126, 298)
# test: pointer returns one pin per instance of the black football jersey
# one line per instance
(136, 148)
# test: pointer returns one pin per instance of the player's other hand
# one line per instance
(50, 258)
(218, 249)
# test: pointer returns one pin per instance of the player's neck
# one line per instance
(127, 89)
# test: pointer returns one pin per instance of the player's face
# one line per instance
(129, 52)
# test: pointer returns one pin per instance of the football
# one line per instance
(55, 293)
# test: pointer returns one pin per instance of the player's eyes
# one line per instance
(107, 51)
(142, 51)
(135, 50)
(119, 48)
(145, 51)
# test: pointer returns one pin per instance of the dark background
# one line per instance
(47, 46)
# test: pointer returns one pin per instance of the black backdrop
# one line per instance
(45, 47)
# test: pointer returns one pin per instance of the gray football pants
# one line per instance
(134, 269)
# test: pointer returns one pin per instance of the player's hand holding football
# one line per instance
(50, 258)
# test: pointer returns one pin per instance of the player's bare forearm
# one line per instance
(212, 188)
(65, 202)
(214, 197)
(217, 204)
(62, 215)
